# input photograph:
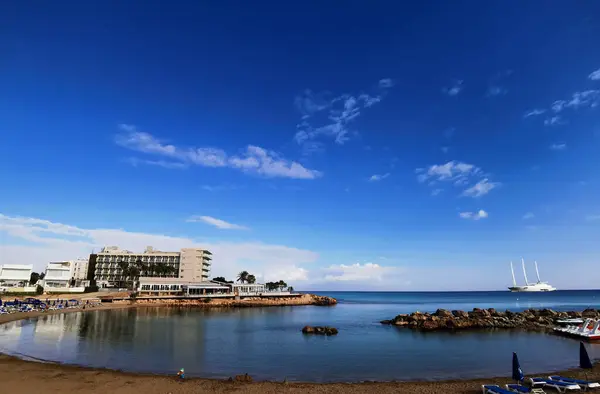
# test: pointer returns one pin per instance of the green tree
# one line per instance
(243, 277)
(281, 284)
(291, 289)
(220, 279)
(33, 278)
(251, 279)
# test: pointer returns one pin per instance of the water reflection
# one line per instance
(267, 343)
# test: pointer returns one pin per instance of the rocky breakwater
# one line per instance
(530, 319)
(320, 330)
(258, 301)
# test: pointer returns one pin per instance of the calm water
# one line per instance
(267, 343)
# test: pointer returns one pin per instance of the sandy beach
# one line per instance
(34, 377)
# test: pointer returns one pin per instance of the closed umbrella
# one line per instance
(584, 358)
(517, 372)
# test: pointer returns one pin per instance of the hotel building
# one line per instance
(66, 276)
(15, 278)
(189, 265)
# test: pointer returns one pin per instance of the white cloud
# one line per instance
(528, 215)
(534, 112)
(481, 188)
(553, 121)
(41, 241)
(595, 76)
(253, 159)
(356, 272)
(496, 91)
(386, 83)
(323, 115)
(435, 192)
(378, 177)
(481, 214)
(587, 98)
(558, 146)
(218, 223)
(158, 163)
(455, 89)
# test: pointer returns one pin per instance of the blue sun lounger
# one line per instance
(562, 387)
(583, 383)
(519, 388)
(494, 389)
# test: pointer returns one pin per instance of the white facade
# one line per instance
(66, 276)
(15, 275)
(189, 264)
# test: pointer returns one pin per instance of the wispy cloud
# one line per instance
(553, 121)
(458, 174)
(558, 146)
(595, 75)
(217, 188)
(435, 192)
(481, 188)
(496, 91)
(218, 223)
(534, 112)
(356, 272)
(528, 215)
(481, 214)
(331, 116)
(455, 88)
(378, 177)
(495, 87)
(253, 160)
(172, 165)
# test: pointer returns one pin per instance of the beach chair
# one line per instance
(494, 389)
(561, 387)
(583, 383)
(519, 388)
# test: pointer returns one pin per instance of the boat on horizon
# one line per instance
(539, 286)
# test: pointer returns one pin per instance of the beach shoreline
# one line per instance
(47, 377)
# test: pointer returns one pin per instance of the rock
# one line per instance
(430, 325)
(460, 314)
(589, 313)
(243, 378)
(401, 323)
(323, 300)
(443, 313)
(320, 330)
(548, 313)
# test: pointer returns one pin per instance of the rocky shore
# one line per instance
(320, 330)
(305, 299)
(442, 319)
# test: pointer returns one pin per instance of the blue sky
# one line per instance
(371, 146)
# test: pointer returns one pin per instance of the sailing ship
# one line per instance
(529, 287)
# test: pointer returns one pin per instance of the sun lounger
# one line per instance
(519, 388)
(562, 387)
(494, 389)
(582, 383)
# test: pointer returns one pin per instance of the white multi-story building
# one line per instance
(70, 276)
(187, 265)
(15, 277)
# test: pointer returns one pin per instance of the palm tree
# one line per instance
(251, 279)
(282, 285)
(243, 277)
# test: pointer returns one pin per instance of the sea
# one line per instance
(267, 343)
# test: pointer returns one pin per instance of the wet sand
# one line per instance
(32, 377)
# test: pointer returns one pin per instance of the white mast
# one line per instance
(537, 272)
(524, 272)
(512, 270)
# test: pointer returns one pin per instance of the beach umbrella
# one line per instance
(517, 372)
(584, 358)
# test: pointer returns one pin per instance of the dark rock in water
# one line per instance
(442, 319)
(443, 313)
(323, 300)
(589, 313)
(320, 330)
(460, 314)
